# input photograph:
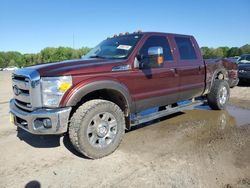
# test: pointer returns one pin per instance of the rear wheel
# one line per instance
(219, 95)
(96, 128)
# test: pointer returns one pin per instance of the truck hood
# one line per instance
(75, 67)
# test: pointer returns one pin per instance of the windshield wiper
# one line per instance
(97, 56)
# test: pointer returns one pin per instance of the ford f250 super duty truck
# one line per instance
(96, 98)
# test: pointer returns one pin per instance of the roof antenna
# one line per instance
(73, 41)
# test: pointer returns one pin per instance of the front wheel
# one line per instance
(219, 95)
(96, 128)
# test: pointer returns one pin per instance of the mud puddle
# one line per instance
(233, 115)
(200, 126)
(241, 116)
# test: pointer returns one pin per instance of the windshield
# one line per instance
(114, 48)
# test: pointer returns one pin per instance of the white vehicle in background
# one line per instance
(11, 68)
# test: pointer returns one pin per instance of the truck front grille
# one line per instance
(26, 89)
(21, 90)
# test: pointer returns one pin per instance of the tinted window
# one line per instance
(157, 41)
(186, 48)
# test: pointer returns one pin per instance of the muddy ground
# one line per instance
(196, 148)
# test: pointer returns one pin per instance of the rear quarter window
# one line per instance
(186, 49)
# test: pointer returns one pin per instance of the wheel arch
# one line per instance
(105, 89)
(221, 74)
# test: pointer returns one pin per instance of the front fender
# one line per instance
(79, 92)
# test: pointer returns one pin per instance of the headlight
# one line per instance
(53, 89)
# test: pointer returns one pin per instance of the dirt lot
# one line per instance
(196, 148)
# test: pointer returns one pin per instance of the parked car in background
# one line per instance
(244, 67)
(12, 68)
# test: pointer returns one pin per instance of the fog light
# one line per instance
(47, 123)
(41, 123)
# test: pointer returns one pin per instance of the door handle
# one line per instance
(174, 70)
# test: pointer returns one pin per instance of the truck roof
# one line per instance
(149, 33)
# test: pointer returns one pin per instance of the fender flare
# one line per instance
(98, 85)
(224, 72)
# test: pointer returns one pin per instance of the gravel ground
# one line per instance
(196, 148)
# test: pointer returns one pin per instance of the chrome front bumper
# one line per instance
(28, 121)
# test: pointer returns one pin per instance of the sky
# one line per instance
(28, 26)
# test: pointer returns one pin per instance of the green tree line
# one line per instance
(46, 55)
(50, 54)
(223, 52)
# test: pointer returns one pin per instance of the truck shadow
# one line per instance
(38, 141)
(69, 146)
(151, 123)
(50, 141)
(47, 141)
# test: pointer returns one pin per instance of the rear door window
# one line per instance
(186, 49)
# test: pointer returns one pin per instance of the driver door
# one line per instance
(155, 85)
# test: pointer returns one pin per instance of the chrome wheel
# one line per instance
(102, 130)
(223, 95)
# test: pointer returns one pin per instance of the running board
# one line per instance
(146, 118)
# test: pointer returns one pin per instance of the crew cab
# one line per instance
(96, 98)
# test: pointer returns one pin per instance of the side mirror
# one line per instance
(155, 54)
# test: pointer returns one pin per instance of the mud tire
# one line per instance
(219, 95)
(80, 121)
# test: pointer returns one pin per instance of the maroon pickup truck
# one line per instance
(96, 98)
